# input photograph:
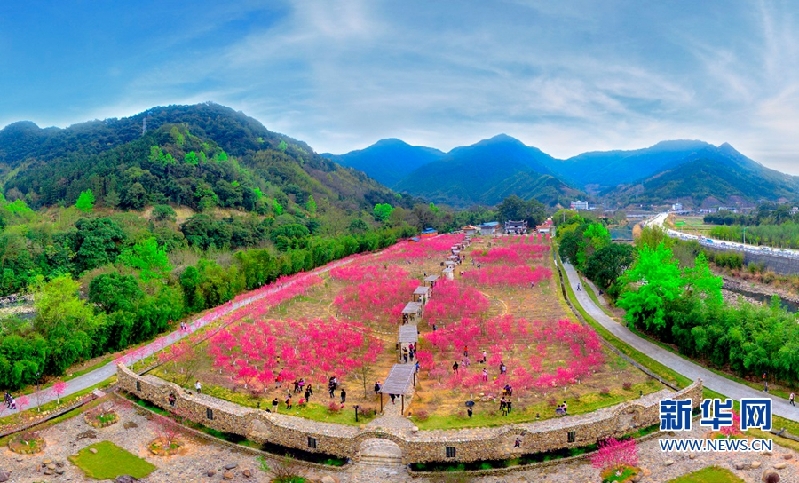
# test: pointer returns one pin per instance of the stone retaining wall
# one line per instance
(477, 444)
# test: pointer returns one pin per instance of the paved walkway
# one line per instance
(720, 384)
(102, 373)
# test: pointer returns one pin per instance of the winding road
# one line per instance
(720, 384)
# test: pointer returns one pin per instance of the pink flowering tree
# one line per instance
(59, 388)
(614, 454)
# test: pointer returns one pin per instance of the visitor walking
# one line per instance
(765, 383)
(455, 367)
(198, 387)
(274, 405)
(343, 396)
(377, 388)
(791, 399)
(485, 375)
(393, 396)
(485, 357)
(502, 369)
(469, 412)
(418, 366)
(578, 287)
(307, 395)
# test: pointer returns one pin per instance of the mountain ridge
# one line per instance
(601, 174)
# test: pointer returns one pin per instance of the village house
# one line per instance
(516, 227)
(490, 228)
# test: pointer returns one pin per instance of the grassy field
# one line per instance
(694, 225)
(438, 401)
(110, 461)
(711, 474)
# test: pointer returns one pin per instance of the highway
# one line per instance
(660, 220)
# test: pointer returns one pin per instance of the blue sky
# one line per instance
(565, 76)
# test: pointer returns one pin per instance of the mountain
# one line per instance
(198, 156)
(487, 172)
(711, 176)
(603, 169)
(388, 160)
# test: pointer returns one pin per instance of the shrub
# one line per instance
(333, 407)
(604, 392)
(626, 386)
(421, 415)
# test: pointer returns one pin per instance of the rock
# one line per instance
(60, 471)
(47, 461)
(755, 465)
(740, 466)
(48, 472)
(692, 456)
(247, 473)
(5, 476)
(125, 479)
(210, 473)
(780, 466)
(771, 477)
(766, 453)
(328, 479)
(51, 466)
(231, 466)
(227, 475)
(93, 450)
(787, 456)
(668, 463)
(60, 464)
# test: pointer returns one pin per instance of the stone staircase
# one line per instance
(380, 452)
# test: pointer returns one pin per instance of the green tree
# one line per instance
(136, 196)
(310, 205)
(277, 208)
(85, 201)
(164, 213)
(515, 208)
(608, 263)
(114, 292)
(64, 320)
(97, 241)
(191, 158)
(702, 282)
(651, 286)
(146, 256)
(382, 211)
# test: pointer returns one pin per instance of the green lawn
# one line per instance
(486, 413)
(110, 461)
(711, 474)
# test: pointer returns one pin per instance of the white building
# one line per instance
(579, 205)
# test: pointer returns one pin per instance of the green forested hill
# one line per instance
(715, 173)
(198, 156)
